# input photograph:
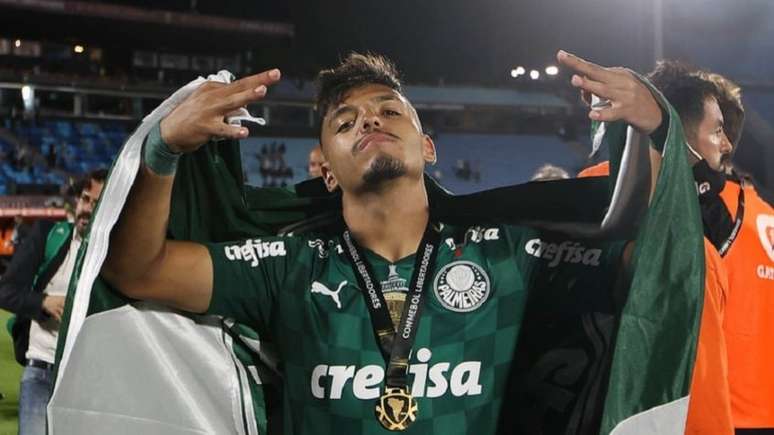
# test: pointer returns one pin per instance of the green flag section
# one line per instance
(655, 347)
(601, 348)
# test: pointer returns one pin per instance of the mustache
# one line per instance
(357, 143)
(86, 216)
(725, 161)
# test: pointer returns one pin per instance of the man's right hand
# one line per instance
(203, 114)
(54, 306)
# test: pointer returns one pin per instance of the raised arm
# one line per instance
(141, 263)
(625, 98)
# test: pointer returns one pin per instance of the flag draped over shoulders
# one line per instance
(148, 369)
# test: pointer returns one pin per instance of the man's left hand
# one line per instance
(628, 99)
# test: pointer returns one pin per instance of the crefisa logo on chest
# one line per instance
(462, 286)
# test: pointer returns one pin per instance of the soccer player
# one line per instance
(348, 346)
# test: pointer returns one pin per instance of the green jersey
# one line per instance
(301, 293)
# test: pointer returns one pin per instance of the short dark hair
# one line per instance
(729, 96)
(85, 181)
(685, 90)
(354, 71)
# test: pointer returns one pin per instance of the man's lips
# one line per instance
(370, 138)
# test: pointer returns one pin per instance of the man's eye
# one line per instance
(345, 126)
(390, 112)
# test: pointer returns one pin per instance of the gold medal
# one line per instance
(396, 409)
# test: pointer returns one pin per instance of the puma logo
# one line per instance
(323, 290)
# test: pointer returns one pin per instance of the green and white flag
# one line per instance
(655, 348)
(135, 367)
(138, 367)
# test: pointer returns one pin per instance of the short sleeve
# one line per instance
(246, 277)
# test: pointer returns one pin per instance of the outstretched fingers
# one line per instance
(247, 90)
(584, 67)
(602, 90)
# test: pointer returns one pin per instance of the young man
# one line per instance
(749, 260)
(735, 218)
(710, 405)
(317, 295)
(34, 288)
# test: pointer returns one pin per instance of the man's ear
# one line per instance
(428, 150)
(327, 175)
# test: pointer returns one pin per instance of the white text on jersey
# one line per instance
(429, 380)
(567, 252)
(253, 250)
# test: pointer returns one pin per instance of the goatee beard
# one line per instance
(384, 168)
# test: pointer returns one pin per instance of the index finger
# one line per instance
(265, 78)
(584, 67)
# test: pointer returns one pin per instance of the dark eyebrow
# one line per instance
(345, 109)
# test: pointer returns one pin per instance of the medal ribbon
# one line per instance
(395, 346)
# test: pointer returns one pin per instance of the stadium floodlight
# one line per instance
(17, 43)
(28, 98)
(78, 48)
(518, 71)
(552, 70)
(534, 74)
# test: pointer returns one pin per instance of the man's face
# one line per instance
(373, 136)
(84, 206)
(711, 141)
(316, 160)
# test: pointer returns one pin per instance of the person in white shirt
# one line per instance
(34, 288)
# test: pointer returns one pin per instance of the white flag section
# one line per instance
(140, 368)
(667, 419)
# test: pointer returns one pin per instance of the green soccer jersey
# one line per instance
(301, 293)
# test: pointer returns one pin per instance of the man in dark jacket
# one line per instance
(34, 288)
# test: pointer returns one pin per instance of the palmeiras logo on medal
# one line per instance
(462, 286)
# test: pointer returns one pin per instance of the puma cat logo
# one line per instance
(322, 289)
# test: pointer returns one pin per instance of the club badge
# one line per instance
(462, 286)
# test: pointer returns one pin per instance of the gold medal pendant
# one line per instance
(396, 409)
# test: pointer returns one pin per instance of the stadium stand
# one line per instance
(281, 161)
(48, 151)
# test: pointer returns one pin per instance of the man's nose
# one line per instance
(371, 120)
(726, 146)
